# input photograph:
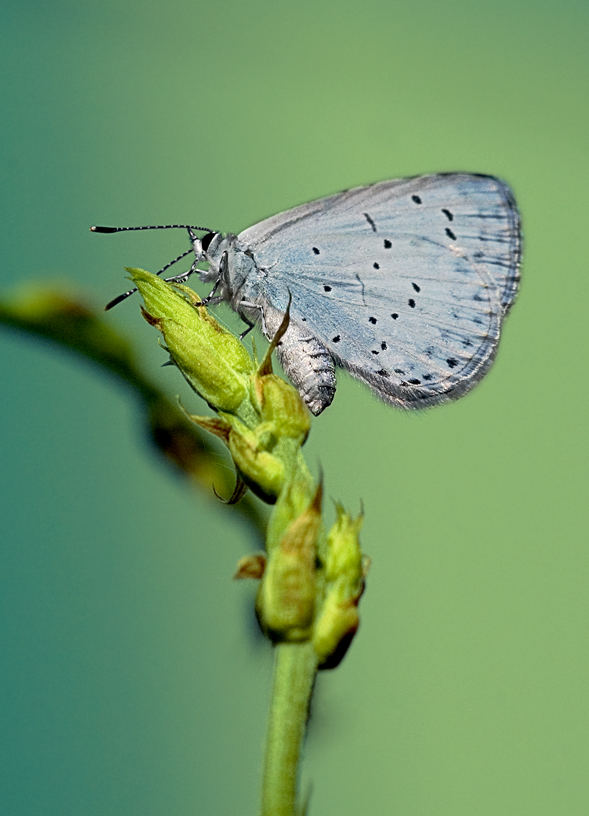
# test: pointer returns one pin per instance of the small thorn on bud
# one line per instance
(251, 566)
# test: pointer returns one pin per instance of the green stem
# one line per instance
(295, 665)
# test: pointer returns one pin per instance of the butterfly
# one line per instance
(403, 283)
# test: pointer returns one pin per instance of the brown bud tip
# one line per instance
(251, 566)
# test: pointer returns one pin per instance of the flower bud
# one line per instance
(282, 407)
(263, 472)
(213, 361)
(337, 619)
(286, 601)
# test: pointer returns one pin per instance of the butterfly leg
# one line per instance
(183, 276)
(249, 323)
(212, 297)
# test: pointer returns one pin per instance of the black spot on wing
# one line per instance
(370, 221)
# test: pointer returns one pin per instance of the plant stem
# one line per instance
(295, 666)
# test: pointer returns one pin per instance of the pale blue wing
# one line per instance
(405, 282)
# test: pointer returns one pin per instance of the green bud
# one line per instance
(343, 554)
(282, 407)
(263, 472)
(286, 600)
(337, 620)
(213, 361)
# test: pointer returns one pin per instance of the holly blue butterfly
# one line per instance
(403, 283)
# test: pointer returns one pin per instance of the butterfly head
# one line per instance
(206, 248)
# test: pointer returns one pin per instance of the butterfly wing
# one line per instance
(405, 282)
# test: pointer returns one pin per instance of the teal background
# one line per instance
(132, 680)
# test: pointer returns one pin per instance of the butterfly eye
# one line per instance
(206, 240)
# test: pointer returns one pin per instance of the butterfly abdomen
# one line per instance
(310, 367)
(306, 361)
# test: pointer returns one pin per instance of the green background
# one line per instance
(132, 679)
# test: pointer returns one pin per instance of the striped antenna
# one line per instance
(125, 295)
(151, 226)
(183, 276)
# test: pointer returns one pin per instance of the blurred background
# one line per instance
(132, 679)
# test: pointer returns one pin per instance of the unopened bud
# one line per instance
(338, 620)
(282, 407)
(261, 470)
(213, 361)
(286, 601)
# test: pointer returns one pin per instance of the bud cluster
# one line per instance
(310, 580)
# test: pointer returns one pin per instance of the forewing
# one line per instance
(406, 281)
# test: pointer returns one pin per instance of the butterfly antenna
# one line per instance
(125, 295)
(149, 227)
